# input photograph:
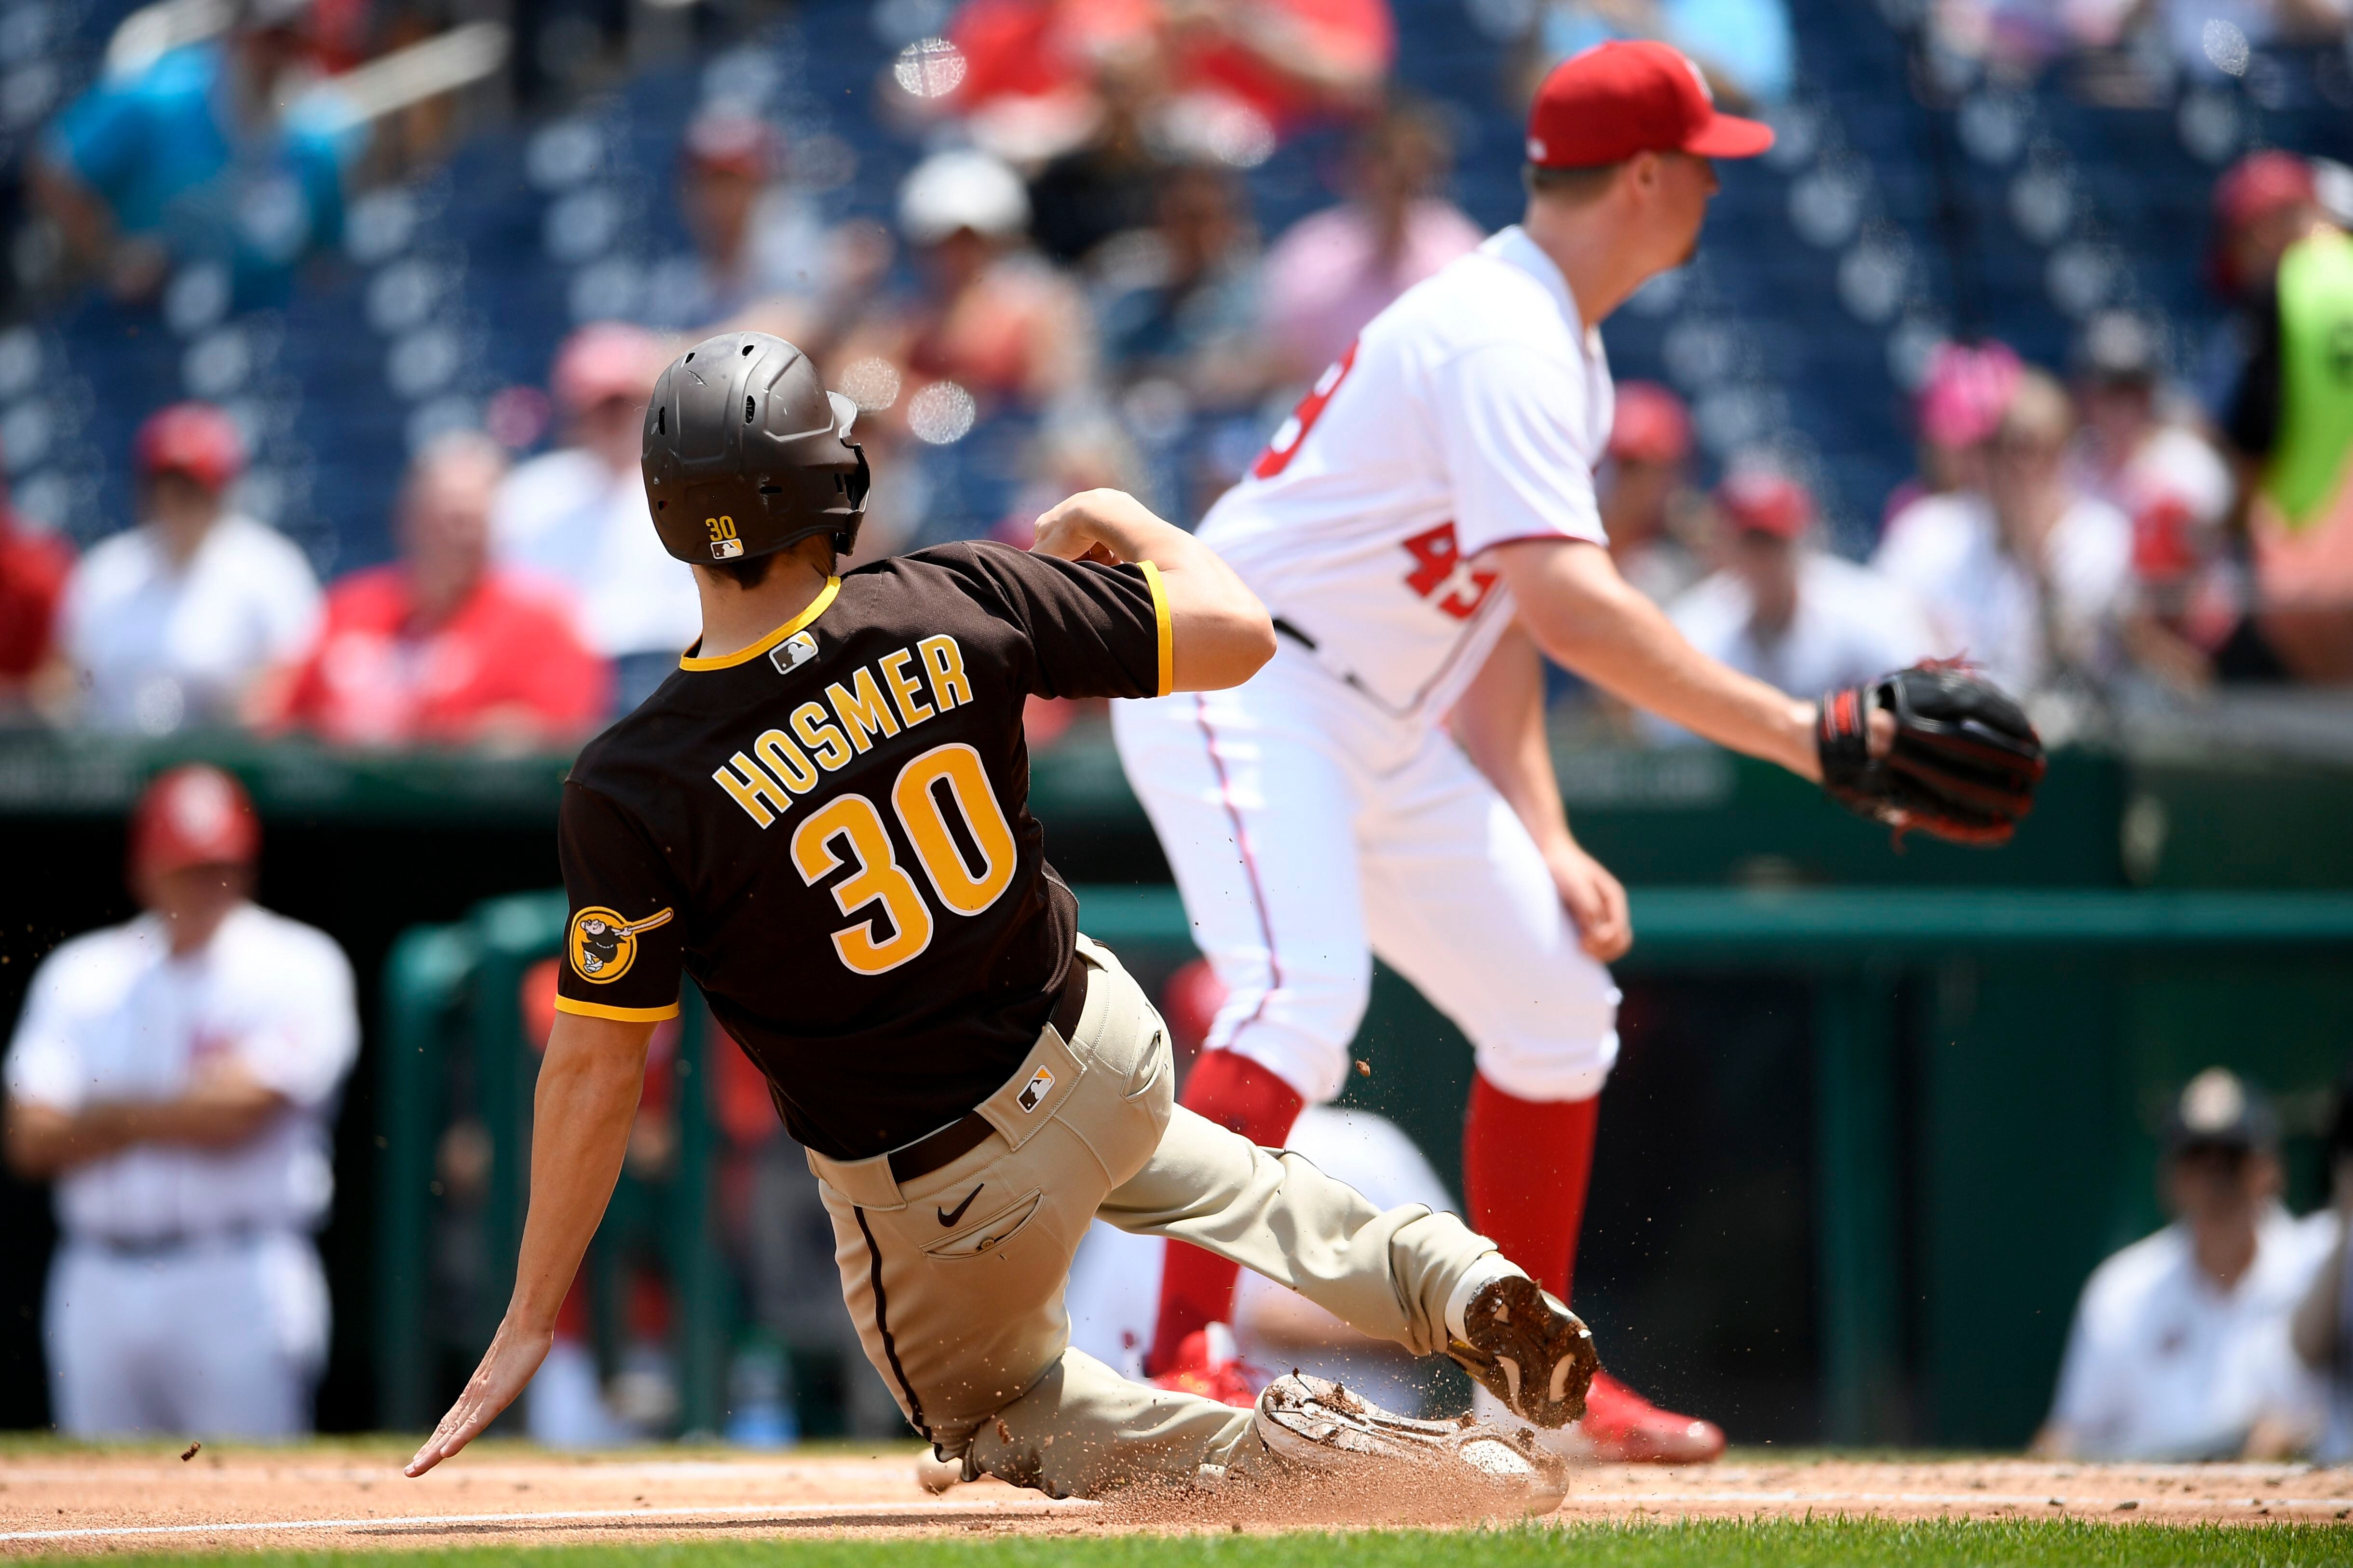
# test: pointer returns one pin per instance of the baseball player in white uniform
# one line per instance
(176, 1077)
(1424, 527)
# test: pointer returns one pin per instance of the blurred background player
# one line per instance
(2180, 1346)
(177, 1078)
(171, 624)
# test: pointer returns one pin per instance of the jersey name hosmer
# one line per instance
(922, 682)
(839, 817)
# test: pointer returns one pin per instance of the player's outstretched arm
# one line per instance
(587, 1097)
(1219, 633)
(1583, 614)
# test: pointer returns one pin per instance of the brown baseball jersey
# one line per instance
(830, 831)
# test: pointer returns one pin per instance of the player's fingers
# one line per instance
(1614, 932)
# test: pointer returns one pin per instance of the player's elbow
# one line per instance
(1224, 647)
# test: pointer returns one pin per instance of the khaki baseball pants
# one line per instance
(956, 1279)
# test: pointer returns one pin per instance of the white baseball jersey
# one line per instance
(1470, 413)
(112, 1016)
(2163, 1365)
(160, 645)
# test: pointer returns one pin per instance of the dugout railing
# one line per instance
(1981, 1091)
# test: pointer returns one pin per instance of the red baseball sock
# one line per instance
(1196, 1287)
(1525, 1166)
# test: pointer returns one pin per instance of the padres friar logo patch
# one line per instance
(604, 945)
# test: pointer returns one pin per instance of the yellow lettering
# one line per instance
(945, 663)
(902, 686)
(786, 761)
(863, 714)
(749, 782)
(823, 739)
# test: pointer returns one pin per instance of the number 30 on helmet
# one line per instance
(745, 452)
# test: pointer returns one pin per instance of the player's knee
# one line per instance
(1562, 1050)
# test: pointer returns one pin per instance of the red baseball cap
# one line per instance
(194, 814)
(1619, 99)
(193, 439)
(2260, 185)
(1651, 425)
(1764, 500)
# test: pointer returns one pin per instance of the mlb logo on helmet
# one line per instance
(726, 549)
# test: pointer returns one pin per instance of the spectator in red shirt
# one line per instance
(33, 569)
(439, 648)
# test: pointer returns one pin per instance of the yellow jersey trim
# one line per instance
(619, 1014)
(1168, 631)
(746, 655)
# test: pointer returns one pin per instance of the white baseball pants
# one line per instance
(1308, 831)
(221, 1337)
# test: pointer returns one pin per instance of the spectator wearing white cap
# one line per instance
(1794, 616)
(176, 1077)
(172, 623)
(576, 516)
(2180, 1345)
(995, 317)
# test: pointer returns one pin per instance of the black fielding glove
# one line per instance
(1963, 765)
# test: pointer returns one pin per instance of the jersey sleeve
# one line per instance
(45, 1066)
(1505, 422)
(624, 940)
(1094, 630)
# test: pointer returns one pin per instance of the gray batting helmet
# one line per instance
(745, 452)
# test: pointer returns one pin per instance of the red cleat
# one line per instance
(1621, 1427)
(1210, 1364)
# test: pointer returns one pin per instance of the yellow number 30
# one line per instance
(720, 527)
(880, 878)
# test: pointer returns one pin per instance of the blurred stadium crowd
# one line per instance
(328, 323)
(371, 352)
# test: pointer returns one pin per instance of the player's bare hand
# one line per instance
(506, 1366)
(1091, 526)
(1595, 900)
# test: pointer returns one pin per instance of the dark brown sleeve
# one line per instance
(1094, 630)
(624, 941)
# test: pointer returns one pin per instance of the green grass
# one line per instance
(1724, 1543)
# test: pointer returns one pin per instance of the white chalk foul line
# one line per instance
(1957, 1500)
(952, 1513)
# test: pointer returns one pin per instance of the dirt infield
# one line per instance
(56, 1502)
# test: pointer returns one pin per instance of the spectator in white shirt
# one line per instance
(2180, 1345)
(2030, 577)
(168, 625)
(577, 516)
(176, 1077)
(1792, 615)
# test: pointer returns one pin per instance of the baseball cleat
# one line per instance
(1623, 1427)
(1324, 1431)
(1528, 1349)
